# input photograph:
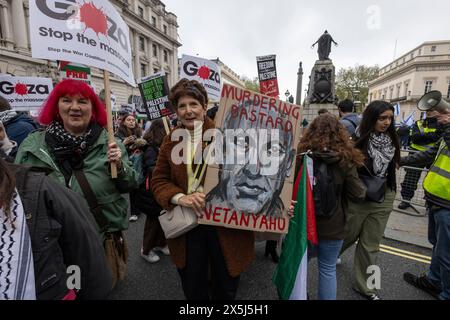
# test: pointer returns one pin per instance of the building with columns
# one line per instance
(408, 78)
(228, 75)
(153, 35)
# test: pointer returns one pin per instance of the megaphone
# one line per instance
(432, 101)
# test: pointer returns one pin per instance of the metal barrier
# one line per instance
(410, 188)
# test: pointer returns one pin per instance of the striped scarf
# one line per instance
(16, 258)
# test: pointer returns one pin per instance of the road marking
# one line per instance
(405, 256)
(406, 252)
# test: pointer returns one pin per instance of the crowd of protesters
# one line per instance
(59, 205)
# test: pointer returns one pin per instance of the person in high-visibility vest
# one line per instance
(423, 135)
(437, 195)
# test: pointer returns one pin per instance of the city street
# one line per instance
(160, 281)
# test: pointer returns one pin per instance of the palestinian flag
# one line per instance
(291, 273)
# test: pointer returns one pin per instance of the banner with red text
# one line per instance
(249, 183)
(25, 93)
(205, 71)
(83, 31)
(267, 74)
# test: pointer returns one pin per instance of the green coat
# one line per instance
(35, 152)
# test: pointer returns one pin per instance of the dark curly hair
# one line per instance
(326, 133)
(7, 185)
(191, 88)
(155, 135)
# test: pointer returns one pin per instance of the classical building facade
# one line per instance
(153, 35)
(408, 78)
(228, 75)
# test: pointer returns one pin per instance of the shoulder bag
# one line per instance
(181, 220)
(116, 250)
(376, 186)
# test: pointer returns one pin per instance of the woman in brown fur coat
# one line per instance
(226, 253)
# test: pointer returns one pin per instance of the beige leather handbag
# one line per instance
(181, 220)
(177, 221)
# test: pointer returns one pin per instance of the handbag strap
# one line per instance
(91, 199)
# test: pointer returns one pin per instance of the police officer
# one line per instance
(437, 194)
(424, 134)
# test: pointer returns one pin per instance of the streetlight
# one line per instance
(287, 94)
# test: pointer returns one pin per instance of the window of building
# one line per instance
(412, 55)
(155, 70)
(420, 52)
(143, 70)
(142, 43)
(391, 93)
(433, 48)
(141, 12)
(398, 91)
(406, 88)
(153, 21)
(428, 86)
(166, 56)
(155, 50)
(370, 97)
(448, 91)
(165, 29)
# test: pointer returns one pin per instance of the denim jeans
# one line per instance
(327, 254)
(439, 237)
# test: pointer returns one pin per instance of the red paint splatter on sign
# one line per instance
(21, 89)
(203, 72)
(94, 18)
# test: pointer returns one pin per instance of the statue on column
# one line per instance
(324, 47)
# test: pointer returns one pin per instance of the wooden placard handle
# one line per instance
(109, 118)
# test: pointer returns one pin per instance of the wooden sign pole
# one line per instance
(166, 125)
(110, 120)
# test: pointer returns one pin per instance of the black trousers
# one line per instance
(409, 184)
(204, 254)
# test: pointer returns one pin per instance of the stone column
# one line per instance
(137, 56)
(174, 65)
(6, 25)
(298, 100)
(19, 25)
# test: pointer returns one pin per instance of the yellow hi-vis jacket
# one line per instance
(437, 181)
(423, 130)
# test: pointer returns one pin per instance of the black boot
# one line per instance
(422, 283)
(271, 248)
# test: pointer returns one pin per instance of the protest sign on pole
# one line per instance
(74, 71)
(25, 93)
(267, 73)
(249, 185)
(204, 71)
(81, 31)
(88, 32)
(155, 94)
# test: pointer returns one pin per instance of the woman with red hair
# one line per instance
(74, 149)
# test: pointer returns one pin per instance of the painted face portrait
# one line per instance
(261, 158)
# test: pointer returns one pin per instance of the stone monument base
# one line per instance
(310, 112)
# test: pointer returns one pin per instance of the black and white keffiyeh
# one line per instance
(382, 151)
(16, 255)
(7, 115)
(69, 150)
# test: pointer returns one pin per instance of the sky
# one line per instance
(368, 32)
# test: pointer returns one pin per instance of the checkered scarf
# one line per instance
(16, 256)
(7, 115)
